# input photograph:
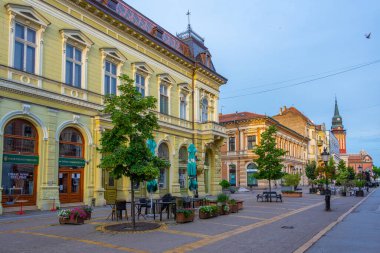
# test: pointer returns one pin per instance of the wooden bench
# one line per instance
(266, 196)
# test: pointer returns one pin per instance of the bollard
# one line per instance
(327, 200)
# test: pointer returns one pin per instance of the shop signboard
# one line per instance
(71, 162)
(20, 159)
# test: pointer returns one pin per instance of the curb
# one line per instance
(321, 233)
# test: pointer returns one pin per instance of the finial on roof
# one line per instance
(188, 13)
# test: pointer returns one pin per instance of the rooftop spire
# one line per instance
(337, 121)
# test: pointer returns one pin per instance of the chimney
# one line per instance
(280, 110)
(284, 107)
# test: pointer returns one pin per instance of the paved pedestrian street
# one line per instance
(259, 227)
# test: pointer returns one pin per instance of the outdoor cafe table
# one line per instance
(171, 207)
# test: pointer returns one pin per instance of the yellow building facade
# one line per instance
(57, 61)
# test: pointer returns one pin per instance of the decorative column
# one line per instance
(98, 190)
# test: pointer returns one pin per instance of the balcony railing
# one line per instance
(174, 120)
(214, 127)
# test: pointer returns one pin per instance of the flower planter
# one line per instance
(359, 193)
(203, 215)
(313, 190)
(181, 217)
(292, 194)
(88, 216)
(240, 204)
(234, 208)
(77, 221)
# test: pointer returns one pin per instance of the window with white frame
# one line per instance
(231, 144)
(110, 78)
(24, 48)
(25, 38)
(182, 106)
(164, 99)
(204, 109)
(140, 83)
(76, 46)
(73, 66)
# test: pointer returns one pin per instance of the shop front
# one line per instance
(71, 166)
(20, 163)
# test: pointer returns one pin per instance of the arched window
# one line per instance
(20, 162)
(20, 136)
(163, 153)
(182, 167)
(251, 171)
(71, 143)
(204, 115)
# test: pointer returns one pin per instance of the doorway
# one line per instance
(70, 183)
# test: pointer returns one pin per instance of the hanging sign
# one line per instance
(20, 159)
(71, 162)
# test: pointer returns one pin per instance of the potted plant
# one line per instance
(184, 215)
(206, 212)
(221, 200)
(88, 210)
(225, 185)
(233, 206)
(292, 180)
(74, 216)
(360, 184)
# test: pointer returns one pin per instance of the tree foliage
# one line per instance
(292, 179)
(269, 161)
(123, 148)
(376, 172)
(311, 170)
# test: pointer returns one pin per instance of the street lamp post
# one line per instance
(325, 157)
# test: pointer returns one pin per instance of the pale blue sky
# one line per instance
(258, 43)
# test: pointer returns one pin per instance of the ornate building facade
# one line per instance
(244, 131)
(58, 59)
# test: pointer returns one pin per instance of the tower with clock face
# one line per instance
(338, 130)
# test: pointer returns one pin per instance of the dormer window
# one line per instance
(158, 32)
(112, 4)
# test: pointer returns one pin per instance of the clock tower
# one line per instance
(338, 130)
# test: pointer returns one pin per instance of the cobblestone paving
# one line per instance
(259, 227)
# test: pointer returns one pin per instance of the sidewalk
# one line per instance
(358, 232)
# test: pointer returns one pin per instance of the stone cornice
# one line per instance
(27, 90)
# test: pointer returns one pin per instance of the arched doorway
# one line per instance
(232, 174)
(251, 171)
(182, 168)
(20, 163)
(163, 179)
(71, 164)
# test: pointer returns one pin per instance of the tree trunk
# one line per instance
(270, 189)
(133, 206)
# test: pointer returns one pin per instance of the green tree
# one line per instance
(351, 172)
(327, 172)
(343, 176)
(376, 172)
(311, 172)
(123, 148)
(292, 180)
(269, 161)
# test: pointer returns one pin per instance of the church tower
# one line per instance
(338, 130)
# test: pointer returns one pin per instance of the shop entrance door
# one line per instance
(70, 185)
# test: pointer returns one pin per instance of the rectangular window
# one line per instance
(73, 66)
(110, 78)
(251, 141)
(164, 99)
(140, 84)
(182, 107)
(231, 143)
(25, 48)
